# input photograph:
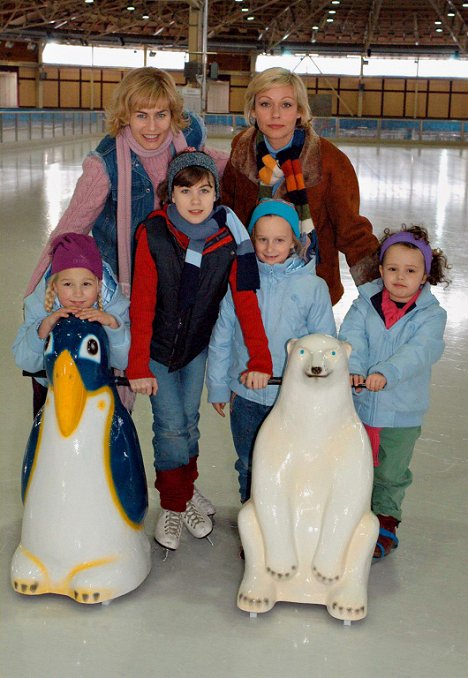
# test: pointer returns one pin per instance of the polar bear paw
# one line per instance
(340, 610)
(347, 602)
(325, 577)
(283, 574)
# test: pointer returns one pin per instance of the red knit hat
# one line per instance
(75, 250)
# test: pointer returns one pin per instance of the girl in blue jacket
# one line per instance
(396, 329)
(293, 302)
(77, 282)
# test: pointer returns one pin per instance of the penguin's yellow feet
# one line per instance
(28, 587)
(90, 597)
(29, 576)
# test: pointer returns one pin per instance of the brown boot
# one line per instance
(387, 540)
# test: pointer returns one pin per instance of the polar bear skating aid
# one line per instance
(308, 532)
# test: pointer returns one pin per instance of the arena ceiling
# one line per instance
(334, 26)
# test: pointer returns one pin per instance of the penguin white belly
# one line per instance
(76, 538)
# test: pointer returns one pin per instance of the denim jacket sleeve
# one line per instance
(220, 353)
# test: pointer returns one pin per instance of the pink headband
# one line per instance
(406, 236)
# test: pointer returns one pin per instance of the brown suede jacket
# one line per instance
(333, 195)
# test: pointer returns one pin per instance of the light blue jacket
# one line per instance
(404, 354)
(293, 302)
(28, 348)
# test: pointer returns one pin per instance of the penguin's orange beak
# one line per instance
(69, 392)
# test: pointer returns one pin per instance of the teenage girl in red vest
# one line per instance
(186, 256)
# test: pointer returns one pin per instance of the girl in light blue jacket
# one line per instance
(77, 282)
(396, 329)
(293, 302)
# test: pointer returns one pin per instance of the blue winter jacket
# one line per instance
(404, 354)
(293, 302)
(28, 348)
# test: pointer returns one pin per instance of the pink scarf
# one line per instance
(391, 311)
(124, 143)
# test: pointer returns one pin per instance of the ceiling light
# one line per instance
(238, 0)
(450, 13)
(439, 30)
(332, 11)
(335, 2)
(330, 21)
(250, 18)
(244, 9)
(131, 8)
(89, 2)
(437, 23)
(145, 16)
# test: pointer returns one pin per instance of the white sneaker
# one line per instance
(168, 529)
(196, 522)
(202, 503)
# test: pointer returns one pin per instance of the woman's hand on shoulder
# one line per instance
(145, 386)
(254, 380)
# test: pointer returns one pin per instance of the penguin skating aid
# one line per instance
(83, 482)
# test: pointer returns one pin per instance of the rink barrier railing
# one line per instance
(33, 125)
(397, 130)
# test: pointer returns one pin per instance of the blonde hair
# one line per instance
(278, 77)
(144, 88)
(297, 246)
(51, 294)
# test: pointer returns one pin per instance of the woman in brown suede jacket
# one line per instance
(281, 156)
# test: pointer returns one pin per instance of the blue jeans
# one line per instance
(246, 419)
(176, 412)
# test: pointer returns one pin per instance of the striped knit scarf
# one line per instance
(287, 166)
(247, 269)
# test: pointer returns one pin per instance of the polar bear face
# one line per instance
(318, 356)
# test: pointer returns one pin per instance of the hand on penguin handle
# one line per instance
(145, 386)
(219, 407)
(254, 380)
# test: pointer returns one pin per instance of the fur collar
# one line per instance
(244, 161)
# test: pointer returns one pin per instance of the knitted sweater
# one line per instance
(333, 196)
(90, 196)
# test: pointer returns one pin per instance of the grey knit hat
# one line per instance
(191, 158)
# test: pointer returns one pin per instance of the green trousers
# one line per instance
(392, 476)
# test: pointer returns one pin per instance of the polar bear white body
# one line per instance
(308, 532)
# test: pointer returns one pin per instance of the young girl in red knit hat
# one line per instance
(77, 282)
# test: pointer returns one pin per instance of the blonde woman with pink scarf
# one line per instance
(147, 127)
